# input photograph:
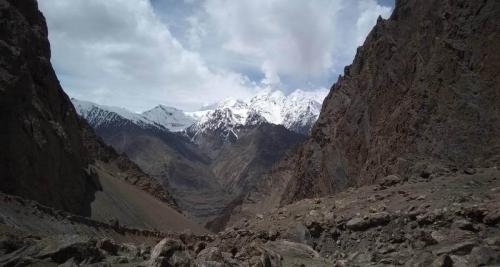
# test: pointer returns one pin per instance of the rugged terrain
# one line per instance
(401, 169)
(448, 219)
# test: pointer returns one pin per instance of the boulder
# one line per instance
(492, 217)
(369, 221)
(210, 254)
(462, 248)
(390, 180)
(169, 252)
(108, 245)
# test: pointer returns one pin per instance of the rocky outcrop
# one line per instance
(421, 95)
(42, 156)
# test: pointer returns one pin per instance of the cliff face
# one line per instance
(41, 155)
(422, 94)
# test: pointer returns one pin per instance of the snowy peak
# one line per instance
(101, 115)
(297, 112)
(160, 117)
(171, 118)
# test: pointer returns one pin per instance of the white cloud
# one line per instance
(300, 40)
(119, 52)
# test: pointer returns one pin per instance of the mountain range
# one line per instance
(297, 112)
(207, 158)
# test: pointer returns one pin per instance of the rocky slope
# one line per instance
(241, 164)
(52, 156)
(451, 219)
(421, 94)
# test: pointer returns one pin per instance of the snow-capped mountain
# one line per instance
(160, 117)
(99, 116)
(297, 112)
(171, 118)
(225, 120)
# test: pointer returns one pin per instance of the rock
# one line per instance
(438, 236)
(462, 248)
(372, 220)
(427, 238)
(483, 256)
(492, 217)
(273, 235)
(463, 225)
(421, 197)
(443, 261)
(79, 251)
(120, 260)
(264, 235)
(292, 249)
(259, 216)
(493, 241)
(180, 259)
(210, 254)
(390, 180)
(200, 246)
(470, 171)
(187, 237)
(162, 254)
(315, 229)
(459, 261)
(108, 245)
(425, 174)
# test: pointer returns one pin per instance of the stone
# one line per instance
(442, 261)
(390, 180)
(425, 174)
(273, 235)
(164, 251)
(438, 236)
(371, 220)
(483, 256)
(492, 217)
(463, 225)
(459, 261)
(78, 251)
(315, 229)
(210, 254)
(462, 248)
(108, 245)
(470, 171)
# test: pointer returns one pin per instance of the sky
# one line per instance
(189, 53)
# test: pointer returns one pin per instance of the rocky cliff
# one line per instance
(42, 156)
(52, 156)
(422, 96)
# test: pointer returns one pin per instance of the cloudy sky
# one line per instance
(187, 53)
